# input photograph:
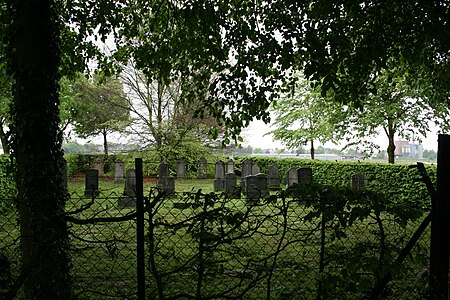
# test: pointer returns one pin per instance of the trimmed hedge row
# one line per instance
(397, 182)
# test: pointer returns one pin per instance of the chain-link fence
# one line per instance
(315, 242)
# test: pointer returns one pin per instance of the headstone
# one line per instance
(246, 171)
(304, 175)
(128, 198)
(292, 176)
(255, 169)
(357, 181)
(219, 176)
(273, 179)
(163, 171)
(91, 183)
(99, 166)
(202, 168)
(230, 166)
(181, 169)
(232, 190)
(256, 188)
(118, 171)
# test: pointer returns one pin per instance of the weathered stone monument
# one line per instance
(128, 199)
(166, 183)
(91, 183)
(255, 169)
(232, 190)
(219, 176)
(181, 169)
(98, 165)
(256, 188)
(305, 175)
(273, 178)
(202, 168)
(119, 168)
(246, 170)
(292, 176)
(358, 181)
(230, 166)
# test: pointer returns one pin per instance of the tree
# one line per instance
(98, 108)
(304, 116)
(397, 108)
(163, 120)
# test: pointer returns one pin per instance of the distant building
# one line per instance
(408, 150)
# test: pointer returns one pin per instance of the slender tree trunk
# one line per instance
(37, 149)
(105, 142)
(312, 151)
(4, 139)
(391, 145)
(159, 121)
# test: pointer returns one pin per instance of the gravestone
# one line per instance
(273, 179)
(202, 168)
(128, 199)
(166, 183)
(255, 169)
(91, 183)
(357, 181)
(304, 175)
(230, 166)
(119, 168)
(181, 169)
(246, 171)
(219, 176)
(232, 190)
(292, 176)
(99, 166)
(256, 188)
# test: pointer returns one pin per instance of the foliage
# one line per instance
(98, 107)
(305, 116)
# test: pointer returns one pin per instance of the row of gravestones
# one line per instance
(254, 184)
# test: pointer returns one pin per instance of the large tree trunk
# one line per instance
(312, 151)
(391, 145)
(105, 142)
(37, 149)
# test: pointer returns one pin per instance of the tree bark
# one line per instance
(37, 149)
(312, 151)
(3, 139)
(391, 145)
(105, 142)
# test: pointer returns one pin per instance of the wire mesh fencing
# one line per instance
(306, 242)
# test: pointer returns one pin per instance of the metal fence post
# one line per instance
(439, 252)
(140, 246)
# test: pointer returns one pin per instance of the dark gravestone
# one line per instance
(292, 176)
(273, 178)
(181, 169)
(255, 169)
(91, 183)
(166, 183)
(219, 176)
(128, 198)
(358, 181)
(202, 168)
(119, 168)
(305, 175)
(246, 171)
(232, 190)
(256, 188)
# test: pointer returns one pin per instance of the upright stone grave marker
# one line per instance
(181, 169)
(91, 183)
(166, 183)
(99, 166)
(304, 175)
(219, 176)
(119, 168)
(232, 191)
(273, 179)
(256, 188)
(255, 169)
(292, 176)
(358, 181)
(202, 168)
(230, 166)
(246, 171)
(128, 198)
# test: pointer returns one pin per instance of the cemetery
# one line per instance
(249, 234)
